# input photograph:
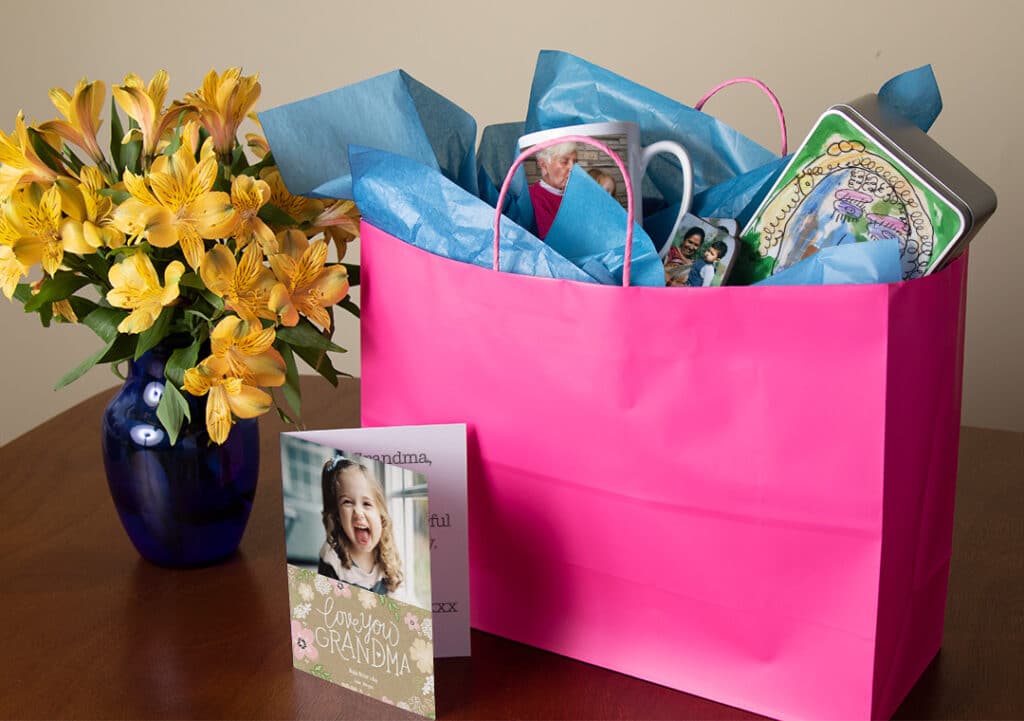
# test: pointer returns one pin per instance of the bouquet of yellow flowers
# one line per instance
(177, 234)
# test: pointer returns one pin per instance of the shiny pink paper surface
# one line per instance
(742, 493)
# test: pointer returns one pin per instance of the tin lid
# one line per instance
(965, 190)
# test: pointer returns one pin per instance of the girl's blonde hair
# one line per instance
(386, 553)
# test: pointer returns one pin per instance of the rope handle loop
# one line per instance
(534, 149)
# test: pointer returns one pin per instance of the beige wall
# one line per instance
(811, 54)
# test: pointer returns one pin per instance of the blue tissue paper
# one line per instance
(876, 261)
(394, 112)
(417, 204)
(567, 90)
(590, 230)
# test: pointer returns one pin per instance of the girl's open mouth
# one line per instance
(362, 534)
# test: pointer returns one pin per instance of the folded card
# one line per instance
(376, 543)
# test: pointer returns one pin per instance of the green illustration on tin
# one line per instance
(841, 187)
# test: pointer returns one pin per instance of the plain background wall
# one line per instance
(481, 55)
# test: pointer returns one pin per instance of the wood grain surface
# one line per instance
(90, 630)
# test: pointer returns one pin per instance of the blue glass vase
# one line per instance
(181, 505)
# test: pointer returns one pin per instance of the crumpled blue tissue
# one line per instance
(417, 204)
(590, 230)
(568, 90)
(875, 261)
(394, 112)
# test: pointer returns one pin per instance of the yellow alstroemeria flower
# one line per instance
(227, 394)
(181, 208)
(11, 270)
(145, 105)
(93, 227)
(136, 286)
(248, 349)
(35, 217)
(297, 207)
(255, 141)
(339, 222)
(19, 162)
(245, 286)
(63, 311)
(306, 285)
(82, 116)
(248, 195)
(222, 103)
(188, 132)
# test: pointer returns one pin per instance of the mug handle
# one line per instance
(672, 148)
(767, 91)
(587, 140)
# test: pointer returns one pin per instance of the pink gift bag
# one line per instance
(745, 493)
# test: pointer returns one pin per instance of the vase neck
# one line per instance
(152, 362)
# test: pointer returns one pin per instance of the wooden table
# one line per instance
(92, 631)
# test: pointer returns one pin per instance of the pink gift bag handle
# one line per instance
(767, 91)
(557, 141)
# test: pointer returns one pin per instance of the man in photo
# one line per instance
(555, 164)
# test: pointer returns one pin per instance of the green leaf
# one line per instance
(198, 314)
(22, 292)
(353, 273)
(83, 266)
(118, 196)
(192, 280)
(75, 263)
(45, 151)
(59, 287)
(117, 371)
(291, 390)
(156, 332)
(143, 247)
(320, 362)
(180, 361)
(82, 306)
(254, 170)
(116, 133)
(82, 368)
(282, 415)
(73, 160)
(215, 301)
(172, 147)
(238, 161)
(222, 184)
(104, 322)
(100, 267)
(122, 348)
(115, 347)
(173, 409)
(273, 215)
(305, 335)
(131, 151)
(348, 304)
(46, 315)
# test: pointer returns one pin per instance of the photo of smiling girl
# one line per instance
(360, 547)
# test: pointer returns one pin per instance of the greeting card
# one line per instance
(375, 530)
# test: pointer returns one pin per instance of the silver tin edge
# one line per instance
(974, 198)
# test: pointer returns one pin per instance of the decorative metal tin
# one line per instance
(866, 173)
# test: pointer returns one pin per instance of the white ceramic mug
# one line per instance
(624, 138)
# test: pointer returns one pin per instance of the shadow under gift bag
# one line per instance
(745, 493)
